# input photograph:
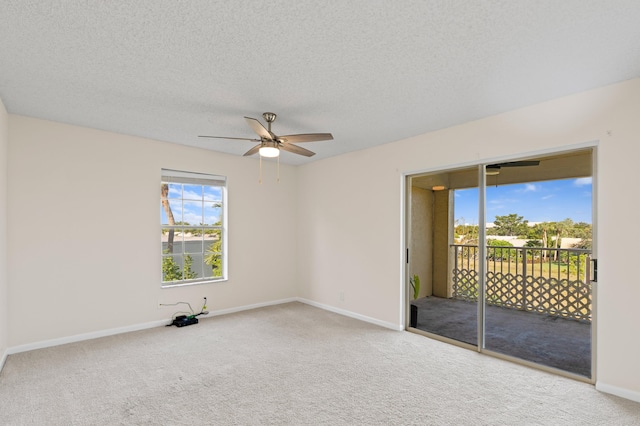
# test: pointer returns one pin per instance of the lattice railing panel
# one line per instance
(551, 295)
(465, 284)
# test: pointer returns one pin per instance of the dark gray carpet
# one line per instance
(554, 342)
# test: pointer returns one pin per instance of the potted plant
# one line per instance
(415, 286)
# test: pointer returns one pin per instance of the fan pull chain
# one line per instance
(260, 180)
(278, 169)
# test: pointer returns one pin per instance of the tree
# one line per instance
(164, 194)
(213, 257)
(582, 230)
(187, 273)
(511, 224)
(466, 234)
(558, 227)
(533, 254)
(533, 243)
(170, 270)
(498, 249)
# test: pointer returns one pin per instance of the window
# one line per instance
(193, 228)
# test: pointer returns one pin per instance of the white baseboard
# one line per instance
(84, 336)
(385, 324)
(3, 359)
(249, 307)
(159, 323)
(126, 329)
(618, 391)
(311, 303)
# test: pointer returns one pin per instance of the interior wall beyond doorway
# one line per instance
(421, 246)
(442, 228)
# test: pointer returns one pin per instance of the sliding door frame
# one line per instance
(482, 252)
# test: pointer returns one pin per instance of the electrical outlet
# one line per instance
(341, 295)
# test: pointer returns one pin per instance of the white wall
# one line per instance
(351, 241)
(4, 286)
(84, 239)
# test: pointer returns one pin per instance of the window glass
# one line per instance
(193, 230)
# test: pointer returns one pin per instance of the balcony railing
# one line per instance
(551, 281)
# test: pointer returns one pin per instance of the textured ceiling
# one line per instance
(370, 72)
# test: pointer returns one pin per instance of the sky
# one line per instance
(550, 201)
(193, 204)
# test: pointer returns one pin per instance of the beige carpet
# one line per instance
(289, 364)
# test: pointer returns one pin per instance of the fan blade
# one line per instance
(226, 137)
(518, 163)
(252, 150)
(296, 150)
(259, 128)
(309, 137)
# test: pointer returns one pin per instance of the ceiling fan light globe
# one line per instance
(269, 151)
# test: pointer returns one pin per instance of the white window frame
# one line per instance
(169, 176)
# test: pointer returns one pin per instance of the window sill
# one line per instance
(218, 280)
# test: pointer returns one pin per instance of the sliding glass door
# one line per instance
(444, 254)
(537, 297)
(502, 254)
